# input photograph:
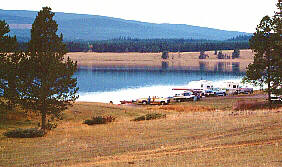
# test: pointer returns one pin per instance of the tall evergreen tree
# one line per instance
(267, 45)
(9, 68)
(47, 86)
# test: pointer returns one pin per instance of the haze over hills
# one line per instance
(84, 27)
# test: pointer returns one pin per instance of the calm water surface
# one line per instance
(102, 84)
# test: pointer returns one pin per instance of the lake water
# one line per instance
(122, 83)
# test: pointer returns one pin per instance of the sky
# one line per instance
(234, 15)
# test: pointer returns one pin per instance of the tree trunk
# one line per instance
(43, 120)
(268, 82)
(269, 95)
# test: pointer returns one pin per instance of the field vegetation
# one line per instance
(204, 133)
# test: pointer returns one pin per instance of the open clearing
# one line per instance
(151, 60)
(204, 133)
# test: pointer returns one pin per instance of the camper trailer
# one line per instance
(231, 85)
(201, 85)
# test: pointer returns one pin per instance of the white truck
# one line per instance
(276, 98)
(185, 96)
(153, 100)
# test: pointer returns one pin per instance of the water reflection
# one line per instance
(235, 67)
(109, 79)
(164, 65)
(224, 67)
(201, 66)
(220, 67)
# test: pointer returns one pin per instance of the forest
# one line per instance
(124, 44)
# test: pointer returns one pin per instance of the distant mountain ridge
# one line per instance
(82, 27)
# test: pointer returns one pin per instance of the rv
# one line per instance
(202, 85)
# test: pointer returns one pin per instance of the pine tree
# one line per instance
(47, 86)
(165, 55)
(220, 55)
(203, 55)
(236, 54)
(267, 45)
(9, 68)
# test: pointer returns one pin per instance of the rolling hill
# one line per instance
(82, 27)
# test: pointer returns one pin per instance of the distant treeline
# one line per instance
(154, 45)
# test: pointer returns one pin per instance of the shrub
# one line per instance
(25, 133)
(150, 117)
(99, 120)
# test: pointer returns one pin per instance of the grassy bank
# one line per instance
(205, 133)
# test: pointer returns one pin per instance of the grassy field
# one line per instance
(179, 60)
(205, 133)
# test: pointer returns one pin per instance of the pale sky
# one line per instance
(237, 15)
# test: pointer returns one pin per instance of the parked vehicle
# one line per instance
(202, 84)
(209, 93)
(276, 98)
(244, 91)
(153, 100)
(219, 92)
(231, 85)
(185, 96)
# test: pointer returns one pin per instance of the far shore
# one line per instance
(154, 60)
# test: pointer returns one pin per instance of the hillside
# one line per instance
(93, 27)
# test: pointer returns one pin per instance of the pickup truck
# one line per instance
(244, 91)
(209, 93)
(275, 98)
(219, 92)
(153, 100)
(186, 96)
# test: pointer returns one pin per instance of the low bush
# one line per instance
(99, 120)
(25, 133)
(150, 117)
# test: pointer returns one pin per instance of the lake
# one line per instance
(104, 84)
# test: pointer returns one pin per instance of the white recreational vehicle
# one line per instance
(231, 85)
(201, 85)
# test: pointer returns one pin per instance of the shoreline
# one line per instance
(129, 94)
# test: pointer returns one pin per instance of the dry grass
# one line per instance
(187, 108)
(199, 138)
(183, 60)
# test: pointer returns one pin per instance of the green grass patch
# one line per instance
(99, 120)
(149, 117)
(24, 133)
